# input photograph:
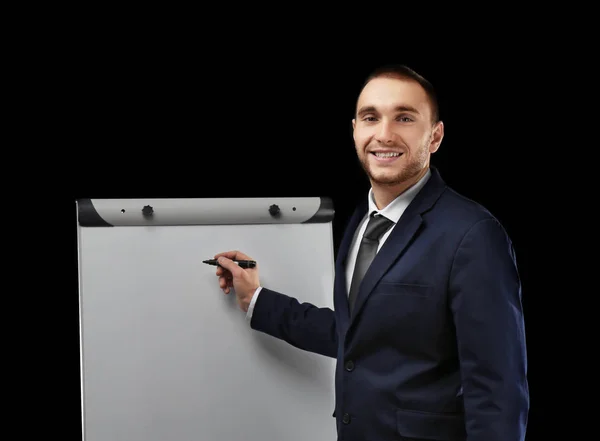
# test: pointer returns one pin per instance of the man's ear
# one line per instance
(436, 137)
(353, 128)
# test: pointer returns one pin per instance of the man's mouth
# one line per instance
(386, 156)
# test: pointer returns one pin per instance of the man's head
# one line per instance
(396, 127)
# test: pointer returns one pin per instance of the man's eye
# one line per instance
(405, 118)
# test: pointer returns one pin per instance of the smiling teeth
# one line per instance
(386, 155)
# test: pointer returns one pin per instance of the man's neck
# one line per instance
(385, 194)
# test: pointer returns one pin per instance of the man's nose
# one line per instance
(385, 135)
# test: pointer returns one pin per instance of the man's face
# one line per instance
(393, 131)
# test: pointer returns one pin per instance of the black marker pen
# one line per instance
(241, 263)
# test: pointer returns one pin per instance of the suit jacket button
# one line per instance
(350, 366)
(346, 418)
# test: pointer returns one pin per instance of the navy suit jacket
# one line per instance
(435, 347)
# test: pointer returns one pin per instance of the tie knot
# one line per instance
(377, 226)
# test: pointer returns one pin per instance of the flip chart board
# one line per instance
(165, 354)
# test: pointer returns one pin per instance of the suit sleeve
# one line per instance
(485, 292)
(302, 325)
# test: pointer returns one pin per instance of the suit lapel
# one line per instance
(407, 228)
(399, 238)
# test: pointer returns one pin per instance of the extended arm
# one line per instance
(302, 325)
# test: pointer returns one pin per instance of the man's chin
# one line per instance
(387, 181)
(389, 177)
(392, 180)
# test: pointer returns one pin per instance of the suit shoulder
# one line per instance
(461, 212)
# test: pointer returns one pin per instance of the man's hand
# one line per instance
(243, 281)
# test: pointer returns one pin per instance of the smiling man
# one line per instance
(427, 326)
(396, 129)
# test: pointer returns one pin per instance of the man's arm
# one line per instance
(302, 325)
(485, 295)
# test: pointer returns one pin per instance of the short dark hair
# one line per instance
(404, 72)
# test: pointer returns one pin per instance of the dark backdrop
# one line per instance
(159, 123)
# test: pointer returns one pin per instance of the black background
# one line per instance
(149, 119)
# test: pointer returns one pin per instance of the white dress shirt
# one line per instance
(393, 211)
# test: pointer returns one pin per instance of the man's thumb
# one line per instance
(228, 264)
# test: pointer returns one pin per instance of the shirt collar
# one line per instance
(394, 209)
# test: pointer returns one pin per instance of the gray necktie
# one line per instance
(376, 227)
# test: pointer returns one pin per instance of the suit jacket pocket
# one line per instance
(430, 425)
(396, 310)
(406, 289)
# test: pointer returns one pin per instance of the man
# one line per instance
(432, 345)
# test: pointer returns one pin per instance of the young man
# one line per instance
(429, 332)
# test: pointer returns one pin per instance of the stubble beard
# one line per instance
(407, 173)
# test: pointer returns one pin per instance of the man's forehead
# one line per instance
(391, 92)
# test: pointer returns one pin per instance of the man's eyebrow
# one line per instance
(402, 108)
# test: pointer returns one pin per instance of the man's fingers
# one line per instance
(241, 256)
(227, 269)
(228, 254)
(225, 281)
(230, 265)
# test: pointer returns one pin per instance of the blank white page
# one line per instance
(165, 354)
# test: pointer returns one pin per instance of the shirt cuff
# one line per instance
(252, 302)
